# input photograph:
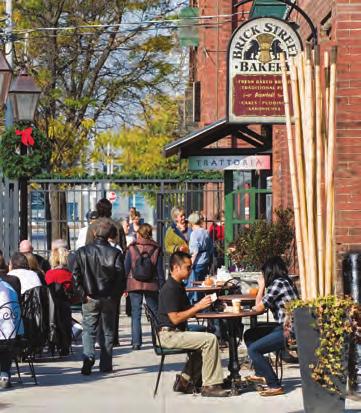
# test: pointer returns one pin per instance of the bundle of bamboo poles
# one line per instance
(310, 121)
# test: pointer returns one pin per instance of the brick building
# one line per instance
(338, 23)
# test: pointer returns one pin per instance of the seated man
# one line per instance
(174, 311)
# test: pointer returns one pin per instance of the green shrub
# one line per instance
(263, 240)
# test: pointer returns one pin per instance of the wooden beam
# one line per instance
(247, 139)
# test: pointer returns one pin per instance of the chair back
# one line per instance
(10, 321)
(154, 325)
(233, 285)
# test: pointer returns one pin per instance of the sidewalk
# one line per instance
(130, 388)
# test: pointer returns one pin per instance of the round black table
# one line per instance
(231, 322)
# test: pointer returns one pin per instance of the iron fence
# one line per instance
(58, 208)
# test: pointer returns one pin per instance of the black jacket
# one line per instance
(38, 317)
(99, 270)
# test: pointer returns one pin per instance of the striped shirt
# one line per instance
(280, 292)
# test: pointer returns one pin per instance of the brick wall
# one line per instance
(211, 62)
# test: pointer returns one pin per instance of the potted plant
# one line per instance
(324, 328)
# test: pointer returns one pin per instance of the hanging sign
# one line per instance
(255, 92)
(220, 163)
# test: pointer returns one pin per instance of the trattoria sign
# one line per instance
(254, 71)
(220, 163)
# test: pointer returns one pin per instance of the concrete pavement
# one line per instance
(130, 388)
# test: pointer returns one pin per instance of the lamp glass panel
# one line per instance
(25, 105)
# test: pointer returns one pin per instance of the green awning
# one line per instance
(268, 8)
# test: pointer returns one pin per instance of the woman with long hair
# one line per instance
(138, 289)
(275, 290)
(60, 281)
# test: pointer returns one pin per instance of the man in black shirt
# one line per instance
(174, 310)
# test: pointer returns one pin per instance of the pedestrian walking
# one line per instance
(201, 250)
(104, 211)
(145, 276)
(99, 279)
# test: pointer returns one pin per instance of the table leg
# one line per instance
(253, 321)
(233, 365)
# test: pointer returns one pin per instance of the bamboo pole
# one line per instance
(310, 175)
(319, 170)
(300, 252)
(327, 100)
(300, 162)
(301, 80)
(329, 259)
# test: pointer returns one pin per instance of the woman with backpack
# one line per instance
(145, 277)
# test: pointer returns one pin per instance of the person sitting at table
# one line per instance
(275, 290)
(174, 309)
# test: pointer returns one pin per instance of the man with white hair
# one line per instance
(25, 246)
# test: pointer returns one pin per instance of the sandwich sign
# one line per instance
(254, 70)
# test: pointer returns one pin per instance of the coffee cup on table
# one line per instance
(236, 305)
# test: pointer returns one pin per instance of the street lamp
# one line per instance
(24, 96)
(5, 79)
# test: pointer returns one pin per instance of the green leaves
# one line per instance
(13, 163)
(263, 240)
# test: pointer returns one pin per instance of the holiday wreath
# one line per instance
(14, 163)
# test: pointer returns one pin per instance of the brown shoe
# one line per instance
(272, 392)
(182, 385)
(214, 391)
(255, 379)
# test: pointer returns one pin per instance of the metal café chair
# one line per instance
(10, 328)
(157, 346)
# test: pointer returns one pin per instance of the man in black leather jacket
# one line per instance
(99, 278)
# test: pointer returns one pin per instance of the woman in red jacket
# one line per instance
(60, 281)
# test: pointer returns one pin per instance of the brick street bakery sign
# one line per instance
(254, 71)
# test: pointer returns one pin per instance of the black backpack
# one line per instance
(144, 270)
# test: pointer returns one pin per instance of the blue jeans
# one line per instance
(136, 299)
(94, 310)
(262, 340)
(199, 272)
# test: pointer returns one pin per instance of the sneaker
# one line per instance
(136, 347)
(214, 391)
(97, 345)
(87, 366)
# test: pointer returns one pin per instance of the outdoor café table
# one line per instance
(244, 298)
(231, 320)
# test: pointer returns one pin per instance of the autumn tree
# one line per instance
(139, 149)
(95, 61)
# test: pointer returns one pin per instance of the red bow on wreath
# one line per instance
(26, 138)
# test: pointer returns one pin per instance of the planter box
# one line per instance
(316, 399)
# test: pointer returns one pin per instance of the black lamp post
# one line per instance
(24, 96)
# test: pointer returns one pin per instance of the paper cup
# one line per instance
(236, 305)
